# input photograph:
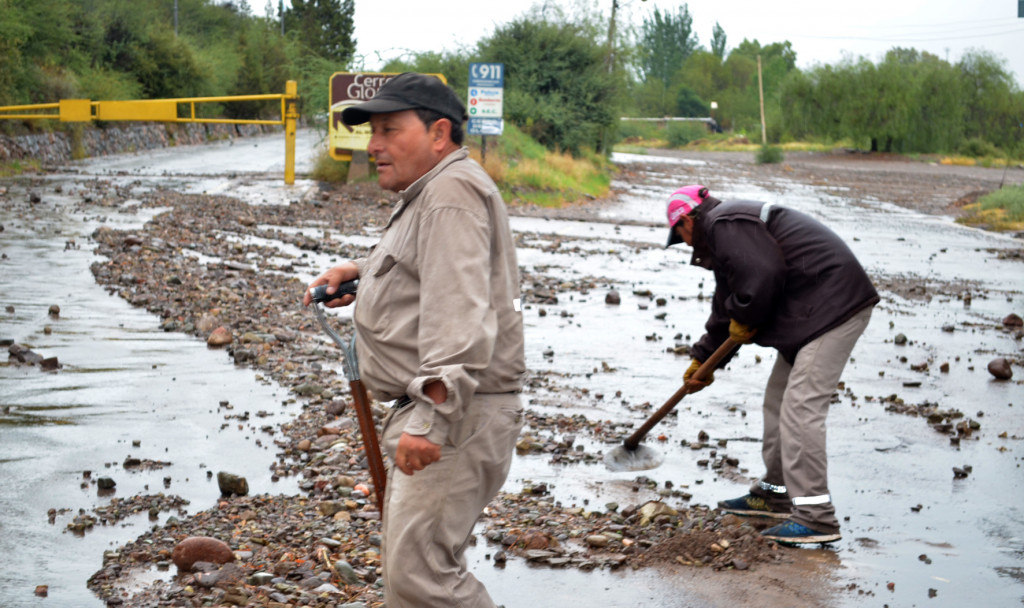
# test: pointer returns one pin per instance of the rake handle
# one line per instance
(705, 369)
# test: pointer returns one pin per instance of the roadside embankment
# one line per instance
(90, 141)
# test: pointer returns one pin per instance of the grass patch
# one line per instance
(959, 161)
(18, 167)
(1002, 210)
(524, 170)
(326, 169)
(528, 173)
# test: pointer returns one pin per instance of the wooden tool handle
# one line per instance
(703, 371)
(371, 445)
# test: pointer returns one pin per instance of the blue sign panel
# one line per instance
(487, 75)
(485, 126)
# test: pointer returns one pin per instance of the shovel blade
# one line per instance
(642, 458)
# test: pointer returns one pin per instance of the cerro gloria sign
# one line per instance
(348, 89)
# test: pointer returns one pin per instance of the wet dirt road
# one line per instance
(906, 520)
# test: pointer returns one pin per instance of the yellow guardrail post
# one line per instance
(290, 114)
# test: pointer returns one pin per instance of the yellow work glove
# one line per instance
(698, 384)
(739, 332)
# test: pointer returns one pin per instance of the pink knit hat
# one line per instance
(682, 202)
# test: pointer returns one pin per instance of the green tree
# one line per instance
(454, 66)
(14, 32)
(666, 41)
(688, 103)
(557, 86)
(325, 26)
(741, 107)
(993, 108)
(264, 69)
(709, 78)
(718, 41)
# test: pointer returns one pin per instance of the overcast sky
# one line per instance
(821, 31)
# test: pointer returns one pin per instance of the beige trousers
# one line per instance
(429, 516)
(796, 403)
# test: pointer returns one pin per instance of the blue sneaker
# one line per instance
(790, 532)
(752, 506)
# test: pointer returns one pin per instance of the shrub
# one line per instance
(679, 134)
(326, 169)
(978, 148)
(769, 155)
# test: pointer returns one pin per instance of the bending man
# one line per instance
(782, 280)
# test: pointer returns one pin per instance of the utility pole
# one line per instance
(760, 90)
(175, 18)
(611, 38)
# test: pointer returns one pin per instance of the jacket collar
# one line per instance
(701, 251)
(413, 191)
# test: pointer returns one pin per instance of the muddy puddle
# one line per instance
(129, 389)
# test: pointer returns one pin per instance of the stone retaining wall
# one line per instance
(58, 147)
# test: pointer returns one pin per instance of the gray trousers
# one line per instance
(796, 403)
(429, 516)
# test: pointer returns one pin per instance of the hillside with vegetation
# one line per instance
(570, 80)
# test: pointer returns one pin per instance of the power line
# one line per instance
(916, 38)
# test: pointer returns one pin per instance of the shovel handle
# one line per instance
(703, 371)
(319, 293)
(371, 445)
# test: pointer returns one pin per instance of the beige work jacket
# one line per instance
(439, 298)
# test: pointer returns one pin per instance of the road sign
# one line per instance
(485, 126)
(349, 89)
(487, 75)
(485, 102)
(486, 97)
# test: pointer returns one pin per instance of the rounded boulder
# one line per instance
(201, 549)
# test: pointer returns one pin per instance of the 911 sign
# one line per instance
(487, 75)
(486, 93)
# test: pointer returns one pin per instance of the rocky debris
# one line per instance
(322, 548)
(949, 421)
(279, 549)
(1000, 368)
(19, 353)
(120, 508)
(532, 527)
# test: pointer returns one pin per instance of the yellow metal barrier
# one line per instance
(166, 110)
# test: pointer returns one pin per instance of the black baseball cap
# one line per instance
(409, 91)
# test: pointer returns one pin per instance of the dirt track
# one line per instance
(925, 186)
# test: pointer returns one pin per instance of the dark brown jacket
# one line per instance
(789, 276)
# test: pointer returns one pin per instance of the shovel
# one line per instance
(360, 399)
(631, 455)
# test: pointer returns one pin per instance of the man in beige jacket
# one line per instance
(439, 333)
